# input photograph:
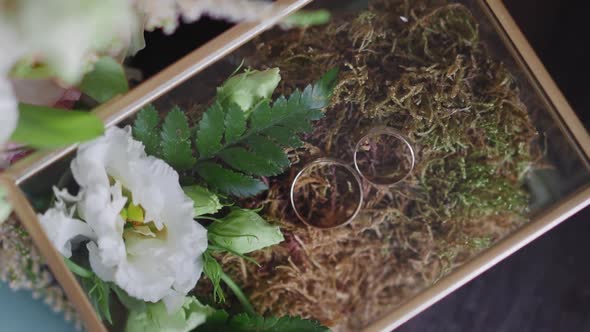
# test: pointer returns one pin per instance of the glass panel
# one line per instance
(489, 157)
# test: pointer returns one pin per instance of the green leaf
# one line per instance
(176, 141)
(248, 88)
(321, 92)
(267, 150)
(307, 18)
(216, 322)
(254, 144)
(205, 201)
(46, 127)
(210, 132)
(77, 269)
(127, 300)
(283, 136)
(99, 294)
(248, 323)
(105, 81)
(248, 162)
(220, 248)
(156, 318)
(213, 271)
(244, 231)
(235, 123)
(229, 181)
(145, 129)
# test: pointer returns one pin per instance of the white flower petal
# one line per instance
(63, 230)
(105, 273)
(174, 301)
(148, 268)
(100, 209)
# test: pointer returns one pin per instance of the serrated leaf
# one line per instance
(176, 142)
(247, 323)
(47, 127)
(262, 116)
(145, 129)
(228, 181)
(322, 90)
(210, 133)
(248, 162)
(269, 151)
(253, 143)
(283, 136)
(235, 123)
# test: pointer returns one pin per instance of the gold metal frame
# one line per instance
(124, 106)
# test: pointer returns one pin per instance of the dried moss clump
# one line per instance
(418, 66)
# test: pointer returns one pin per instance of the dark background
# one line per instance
(545, 287)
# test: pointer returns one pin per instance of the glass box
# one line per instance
(500, 157)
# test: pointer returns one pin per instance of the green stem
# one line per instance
(238, 293)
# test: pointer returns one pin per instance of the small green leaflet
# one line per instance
(307, 18)
(253, 146)
(106, 80)
(47, 127)
(172, 143)
(244, 322)
(98, 291)
(210, 131)
(229, 181)
(176, 140)
(256, 323)
(213, 271)
(145, 129)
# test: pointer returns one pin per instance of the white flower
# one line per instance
(65, 33)
(165, 14)
(61, 227)
(158, 255)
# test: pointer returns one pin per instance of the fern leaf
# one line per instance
(176, 140)
(229, 181)
(269, 151)
(235, 123)
(283, 136)
(254, 145)
(145, 129)
(210, 132)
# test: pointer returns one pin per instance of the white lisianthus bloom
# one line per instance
(61, 227)
(144, 237)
